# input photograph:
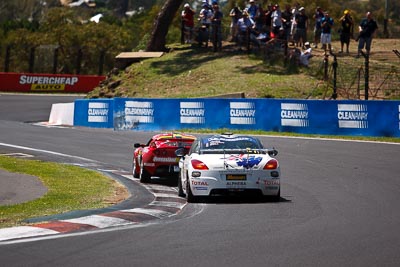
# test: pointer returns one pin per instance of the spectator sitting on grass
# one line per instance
(305, 55)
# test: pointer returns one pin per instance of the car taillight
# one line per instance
(271, 164)
(199, 165)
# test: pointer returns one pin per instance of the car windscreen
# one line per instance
(219, 144)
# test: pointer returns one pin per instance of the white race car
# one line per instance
(228, 164)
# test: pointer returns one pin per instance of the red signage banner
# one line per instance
(48, 83)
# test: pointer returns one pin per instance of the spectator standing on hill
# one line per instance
(319, 14)
(205, 21)
(260, 19)
(188, 23)
(326, 29)
(287, 21)
(276, 17)
(346, 30)
(253, 10)
(216, 22)
(295, 12)
(300, 36)
(235, 15)
(367, 29)
(247, 31)
(268, 19)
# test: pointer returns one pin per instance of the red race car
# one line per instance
(157, 157)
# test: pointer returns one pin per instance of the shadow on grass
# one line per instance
(195, 56)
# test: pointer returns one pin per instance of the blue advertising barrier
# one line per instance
(364, 118)
(96, 113)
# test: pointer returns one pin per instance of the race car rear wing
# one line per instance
(271, 152)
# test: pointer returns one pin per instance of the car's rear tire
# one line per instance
(180, 189)
(277, 198)
(135, 171)
(144, 176)
(272, 198)
(189, 195)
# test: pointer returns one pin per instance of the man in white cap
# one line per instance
(252, 10)
(306, 55)
(188, 22)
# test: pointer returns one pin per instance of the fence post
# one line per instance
(101, 62)
(366, 73)
(335, 65)
(79, 61)
(31, 60)
(326, 61)
(7, 59)
(248, 40)
(182, 32)
(55, 61)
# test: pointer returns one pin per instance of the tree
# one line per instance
(161, 24)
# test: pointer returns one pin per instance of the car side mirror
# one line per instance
(136, 145)
(180, 152)
(272, 152)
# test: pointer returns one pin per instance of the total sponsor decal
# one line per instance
(200, 185)
(192, 112)
(98, 112)
(46, 83)
(242, 113)
(294, 114)
(138, 111)
(267, 183)
(399, 117)
(353, 116)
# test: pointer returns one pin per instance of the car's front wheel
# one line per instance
(144, 175)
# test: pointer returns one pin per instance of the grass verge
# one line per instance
(69, 188)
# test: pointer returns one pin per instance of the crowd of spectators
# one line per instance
(255, 27)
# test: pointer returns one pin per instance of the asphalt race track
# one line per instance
(339, 206)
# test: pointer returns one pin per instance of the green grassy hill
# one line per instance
(189, 71)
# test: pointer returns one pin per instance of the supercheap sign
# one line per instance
(23, 82)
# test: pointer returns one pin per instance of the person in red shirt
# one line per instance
(188, 22)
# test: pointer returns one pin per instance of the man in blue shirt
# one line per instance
(253, 10)
(367, 28)
(326, 29)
